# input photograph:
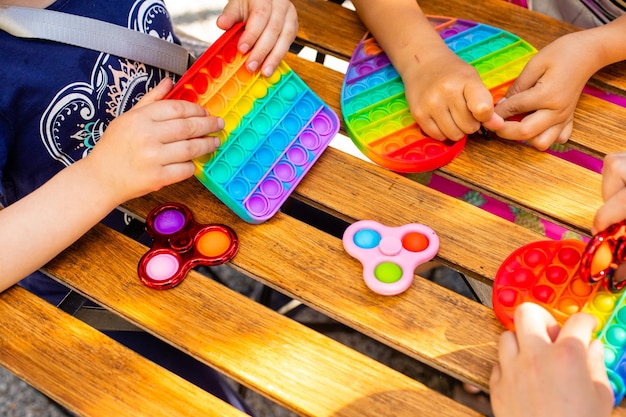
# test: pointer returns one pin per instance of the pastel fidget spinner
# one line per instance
(275, 128)
(179, 244)
(562, 276)
(375, 109)
(390, 254)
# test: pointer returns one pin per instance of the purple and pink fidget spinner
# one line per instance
(179, 244)
(390, 254)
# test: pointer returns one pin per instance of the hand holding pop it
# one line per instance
(275, 128)
(376, 112)
(390, 254)
(555, 275)
(179, 244)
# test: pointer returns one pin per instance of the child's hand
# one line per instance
(613, 192)
(447, 97)
(271, 27)
(545, 370)
(152, 145)
(548, 88)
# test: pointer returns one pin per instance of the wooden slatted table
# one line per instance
(299, 368)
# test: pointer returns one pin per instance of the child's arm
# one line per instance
(445, 94)
(271, 27)
(546, 371)
(551, 83)
(143, 150)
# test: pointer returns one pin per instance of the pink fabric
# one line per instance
(522, 3)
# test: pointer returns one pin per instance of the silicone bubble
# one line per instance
(375, 110)
(179, 243)
(274, 127)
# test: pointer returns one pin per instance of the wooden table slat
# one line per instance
(86, 371)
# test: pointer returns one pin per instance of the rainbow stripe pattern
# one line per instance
(275, 128)
(375, 109)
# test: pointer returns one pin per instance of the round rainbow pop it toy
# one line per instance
(375, 109)
(390, 254)
(551, 274)
(275, 128)
(179, 244)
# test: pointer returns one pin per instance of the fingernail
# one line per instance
(220, 123)
(268, 71)
(501, 100)
(244, 48)
(216, 142)
(252, 66)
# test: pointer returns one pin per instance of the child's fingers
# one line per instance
(495, 122)
(182, 128)
(579, 326)
(274, 42)
(533, 325)
(433, 128)
(176, 172)
(612, 211)
(178, 165)
(508, 347)
(231, 14)
(614, 174)
(157, 93)
(527, 79)
(186, 150)
(530, 127)
(169, 110)
(256, 14)
(523, 102)
(597, 368)
(479, 102)
(546, 138)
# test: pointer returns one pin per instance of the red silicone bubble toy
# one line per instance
(179, 244)
(390, 254)
(566, 277)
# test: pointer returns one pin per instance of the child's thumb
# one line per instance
(157, 93)
(231, 14)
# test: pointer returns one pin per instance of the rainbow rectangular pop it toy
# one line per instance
(375, 109)
(275, 128)
(566, 277)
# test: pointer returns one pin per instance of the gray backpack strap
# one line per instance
(26, 22)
